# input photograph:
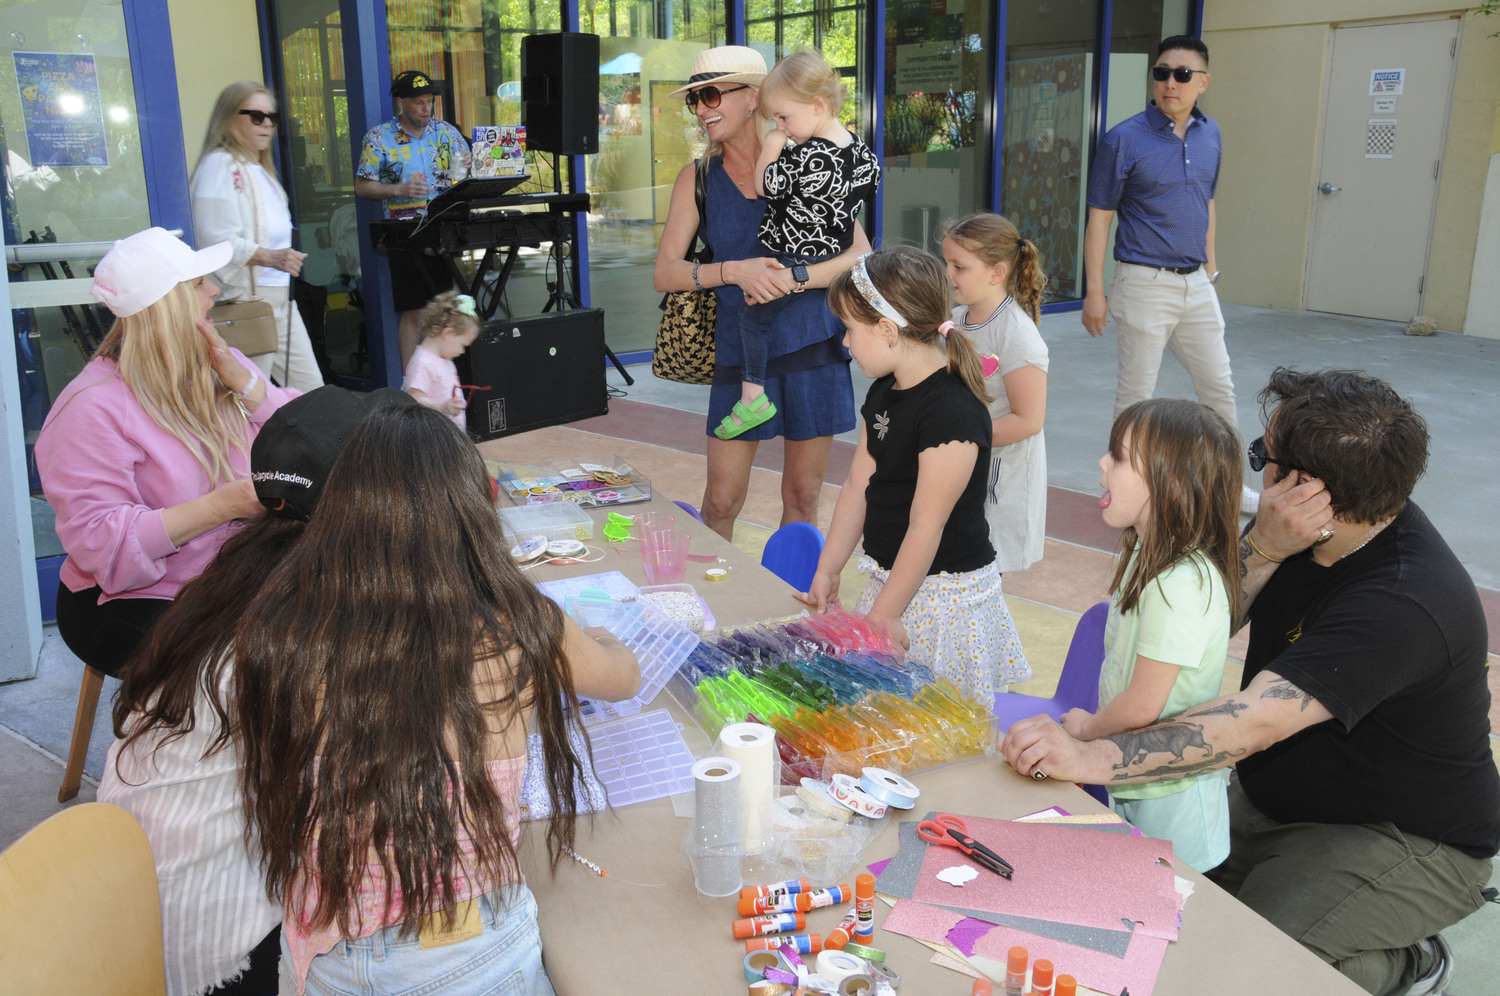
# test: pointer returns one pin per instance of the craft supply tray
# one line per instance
(586, 483)
(558, 521)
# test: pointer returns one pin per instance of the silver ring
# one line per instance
(1039, 775)
(1325, 534)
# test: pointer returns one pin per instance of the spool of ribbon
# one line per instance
(836, 966)
(765, 987)
(847, 793)
(714, 845)
(889, 975)
(889, 788)
(817, 796)
(864, 951)
(858, 985)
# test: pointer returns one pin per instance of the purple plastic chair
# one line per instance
(1077, 687)
(690, 510)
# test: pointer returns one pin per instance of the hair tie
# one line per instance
(866, 287)
(464, 305)
(945, 328)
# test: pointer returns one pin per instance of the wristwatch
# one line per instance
(799, 274)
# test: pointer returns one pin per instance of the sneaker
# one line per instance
(1249, 500)
(1440, 973)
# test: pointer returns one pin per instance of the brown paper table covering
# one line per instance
(603, 935)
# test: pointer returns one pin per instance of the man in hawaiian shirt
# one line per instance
(407, 161)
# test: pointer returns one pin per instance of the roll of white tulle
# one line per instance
(754, 747)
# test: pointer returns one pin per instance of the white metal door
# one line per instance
(1387, 111)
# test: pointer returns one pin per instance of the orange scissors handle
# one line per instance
(935, 830)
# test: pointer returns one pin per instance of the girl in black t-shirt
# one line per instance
(917, 484)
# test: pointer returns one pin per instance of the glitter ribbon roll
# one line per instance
(889, 788)
(858, 985)
(847, 793)
(756, 963)
(714, 847)
(753, 746)
(817, 796)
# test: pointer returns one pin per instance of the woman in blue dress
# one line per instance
(807, 377)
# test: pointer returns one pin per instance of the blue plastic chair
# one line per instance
(792, 553)
(690, 510)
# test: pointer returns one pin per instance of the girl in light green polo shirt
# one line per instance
(1172, 485)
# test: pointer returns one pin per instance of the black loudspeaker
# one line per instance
(560, 92)
(543, 370)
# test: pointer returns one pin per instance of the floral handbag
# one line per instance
(684, 349)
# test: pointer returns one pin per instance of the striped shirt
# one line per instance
(1159, 186)
(214, 909)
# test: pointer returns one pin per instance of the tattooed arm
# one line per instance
(1205, 737)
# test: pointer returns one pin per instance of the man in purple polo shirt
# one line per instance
(1157, 172)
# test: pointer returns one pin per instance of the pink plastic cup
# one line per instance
(664, 555)
(653, 522)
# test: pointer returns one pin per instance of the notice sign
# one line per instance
(61, 109)
(931, 67)
(1386, 82)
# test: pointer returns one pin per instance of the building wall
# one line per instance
(1270, 68)
(214, 44)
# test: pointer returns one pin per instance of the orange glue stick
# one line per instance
(840, 935)
(1066, 986)
(772, 923)
(1041, 978)
(864, 907)
(1015, 972)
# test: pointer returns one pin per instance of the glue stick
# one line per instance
(771, 923)
(1066, 986)
(864, 907)
(1041, 978)
(839, 936)
(981, 988)
(791, 887)
(801, 943)
(1015, 972)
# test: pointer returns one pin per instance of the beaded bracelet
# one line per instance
(245, 394)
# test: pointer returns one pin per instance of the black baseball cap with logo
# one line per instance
(296, 448)
(414, 83)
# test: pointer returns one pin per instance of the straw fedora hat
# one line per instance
(725, 64)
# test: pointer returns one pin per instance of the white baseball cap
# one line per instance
(139, 271)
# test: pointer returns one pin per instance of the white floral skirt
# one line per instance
(959, 626)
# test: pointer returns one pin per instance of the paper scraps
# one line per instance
(957, 875)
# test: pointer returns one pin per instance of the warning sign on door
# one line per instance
(1386, 82)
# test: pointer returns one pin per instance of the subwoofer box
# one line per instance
(535, 371)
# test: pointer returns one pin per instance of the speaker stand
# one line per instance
(561, 300)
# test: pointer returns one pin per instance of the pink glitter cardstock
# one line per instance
(1066, 875)
(1137, 970)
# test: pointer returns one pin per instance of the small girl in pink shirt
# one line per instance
(449, 326)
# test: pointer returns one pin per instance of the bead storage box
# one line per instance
(562, 521)
(586, 483)
(837, 699)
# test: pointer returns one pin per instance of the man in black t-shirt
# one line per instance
(1366, 807)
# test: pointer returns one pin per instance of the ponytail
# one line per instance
(1026, 279)
(964, 362)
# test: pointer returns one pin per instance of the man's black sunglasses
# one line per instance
(260, 117)
(710, 95)
(1259, 458)
(1181, 74)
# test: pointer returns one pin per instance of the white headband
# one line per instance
(866, 288)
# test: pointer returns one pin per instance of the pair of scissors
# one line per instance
(951, 831)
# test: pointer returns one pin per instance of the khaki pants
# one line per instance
(1153, 310)
(1359, 896)
(303, 374)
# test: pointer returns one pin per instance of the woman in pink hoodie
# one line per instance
(145, 456)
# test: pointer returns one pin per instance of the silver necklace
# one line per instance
(1366, 537)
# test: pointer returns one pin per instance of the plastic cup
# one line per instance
(653, 522)
(664, 555)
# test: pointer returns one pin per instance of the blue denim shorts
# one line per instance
(504, 960)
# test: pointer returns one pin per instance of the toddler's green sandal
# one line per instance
(749, 418)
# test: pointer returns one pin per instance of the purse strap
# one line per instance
(700, 196)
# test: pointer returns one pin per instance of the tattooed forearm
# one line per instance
(1169, 770)
(1287, 690)
(1229, 707)
(1245, 553)
(1174, 738)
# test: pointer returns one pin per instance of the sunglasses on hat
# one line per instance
(1181, 74)
(710, 95)
(261, 117)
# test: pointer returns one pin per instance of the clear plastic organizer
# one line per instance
(660, 643)
(592, 482)
(556, 522)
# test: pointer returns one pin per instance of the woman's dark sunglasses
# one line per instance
(260, 117)
(1181, 74)
(1259, 458)
(710, 95)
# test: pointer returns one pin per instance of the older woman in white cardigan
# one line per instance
(237, 199)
